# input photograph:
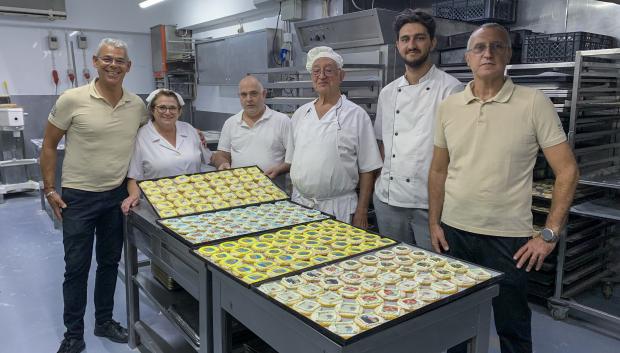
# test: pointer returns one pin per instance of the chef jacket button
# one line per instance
(398, 111)
(399, 90)
(393, 156)
(428, 88)
(391, 178)
(396, 134)
(407, 179)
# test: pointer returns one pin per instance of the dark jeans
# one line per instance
(89, 213)
(511, 311)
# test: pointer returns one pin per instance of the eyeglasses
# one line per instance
(495, 48)
(328, 71)
(109, 60)
(163, 108)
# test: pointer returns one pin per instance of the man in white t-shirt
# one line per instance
(404, 128)
(256, 135)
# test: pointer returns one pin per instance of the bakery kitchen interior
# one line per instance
(310, 176)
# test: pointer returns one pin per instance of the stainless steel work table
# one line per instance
(435, 331)
(142, 233)
(220, 297)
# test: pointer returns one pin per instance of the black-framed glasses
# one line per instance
(164, 108)
(109, 60)
(495, 48)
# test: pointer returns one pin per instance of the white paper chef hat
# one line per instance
(323, 52)
(154, 93)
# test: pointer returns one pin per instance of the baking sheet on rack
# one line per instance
(387, 287)
(213, 227)
(254, 259)
(190, 194)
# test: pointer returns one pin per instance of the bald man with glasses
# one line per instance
(257, 135)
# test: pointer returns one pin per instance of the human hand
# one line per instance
(57, 203)
(224, 166)
(272, 172)
(438, 239)
(129, 202)
(360, 218)
(535, 250)
(203, 140)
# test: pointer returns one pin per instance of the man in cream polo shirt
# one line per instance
(100, 121)
(256, 135)
(480, 183)
(404, 128)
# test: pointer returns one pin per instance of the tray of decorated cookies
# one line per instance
(355, 297)
(204, 192)
(212, 227)
(272, 255)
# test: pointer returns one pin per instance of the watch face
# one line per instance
(547, 234)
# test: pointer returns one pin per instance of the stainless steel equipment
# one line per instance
(14, 174)
(365, 40)
(174, 64)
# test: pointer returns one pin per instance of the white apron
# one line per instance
(320, 181)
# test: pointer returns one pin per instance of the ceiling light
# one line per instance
(147, 3)
(73, 33)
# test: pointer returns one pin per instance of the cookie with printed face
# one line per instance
(325, 317)
(329, 299)
(368, 321)
(369, 300)
(427, 295)
(478, 274)
(388, 311)
(462, 280)
(289, 298)
(306, 307)
(292, 282)
(410, 304)
(444, 287)
(349, 310)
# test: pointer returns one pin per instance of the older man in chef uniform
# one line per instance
(332, 146)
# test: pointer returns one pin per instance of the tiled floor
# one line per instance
(31, 271)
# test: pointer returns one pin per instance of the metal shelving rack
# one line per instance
(174, 63)
(580, 259)
(290, 88)
(594, 131)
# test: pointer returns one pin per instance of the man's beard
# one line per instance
(414, 64)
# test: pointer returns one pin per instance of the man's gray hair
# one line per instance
(113, 42)
(495, 26)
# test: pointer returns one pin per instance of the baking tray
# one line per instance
(323, 216)
(215, 210)
(294, 272)
(496, 277)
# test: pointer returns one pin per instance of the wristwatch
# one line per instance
(548, 235)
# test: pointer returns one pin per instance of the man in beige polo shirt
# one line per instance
(480, 182)
(100, 121)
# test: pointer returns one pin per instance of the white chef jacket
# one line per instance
(155, 157)
(263, 144)
(327, 155)
(405, 123)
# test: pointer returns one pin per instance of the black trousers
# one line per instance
(511, 311)
(89, 214)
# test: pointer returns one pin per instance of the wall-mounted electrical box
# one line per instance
(82, 42)
(52, 42)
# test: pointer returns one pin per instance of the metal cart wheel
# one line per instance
(608, 289)
(558, 312)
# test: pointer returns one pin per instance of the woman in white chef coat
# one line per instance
(164, 146)
(332, 146)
